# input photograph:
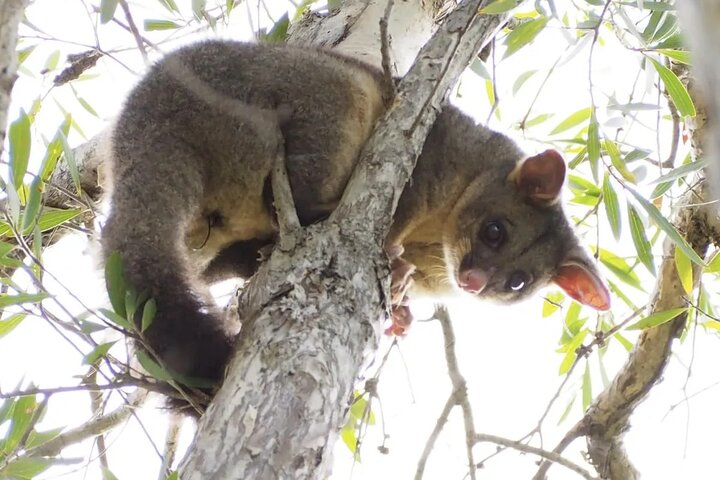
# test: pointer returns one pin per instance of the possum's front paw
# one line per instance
(401, 282)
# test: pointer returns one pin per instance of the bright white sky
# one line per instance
(506, 354)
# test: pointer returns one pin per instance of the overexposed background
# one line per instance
(507, 354)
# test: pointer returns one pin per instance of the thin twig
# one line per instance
(459, 384)
(521, 447)
(288, 221)
(388, 84)
(439, 425)
(171, 444)
(134, 30)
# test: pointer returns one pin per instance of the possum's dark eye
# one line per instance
(517, 281)
(493, 234)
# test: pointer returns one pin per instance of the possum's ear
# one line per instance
(540, 178)
(583, 283)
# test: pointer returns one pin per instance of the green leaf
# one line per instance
(20, 421)
(52, 61)
(52, 218)
(614, 154)
(666, 227)
(25, 468)
(107, 474)
(682, 171)
(676, 90)
(278, 33)
(107, 10)
(633, 107)
(656, 319)
(32, 207)
(684, 270)
(97, 353)
(660, 190)
(7, 325)
(149, 311)
(52, 154)
(578, 159)
(500, 6)
(682, 56)
(150, 25)
(349, 438)
(87, 327)
(20, 139)
(620, 268)
(360, 410)
(593, 145)
(612, 207)
(152, 367)
(198, 8)
(571, 352)
(573, 120)
(667, 27)
(86, 105)
(537, 120)
(6, 299)
(626, 344)
(122, 322)
(115, 283)
(38, 438)
(642, 245)
(521, 79)
(673, 41)
(713, 265)
(6, 409)
(568, 409)
(478, 68)
(652, 6)
(131, 303)
(175, 475)
(552, 303)
(577, 182)
(69, 157)
(586, 387)
(524, 34)
(572, 325)
(24, 53)
(171, 6)
(6, 248)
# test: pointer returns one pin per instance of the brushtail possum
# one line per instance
(191, 203)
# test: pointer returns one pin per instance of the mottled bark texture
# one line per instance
(312, 316)
(11, 12)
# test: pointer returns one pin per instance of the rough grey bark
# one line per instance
(11, 12)
(312, 316)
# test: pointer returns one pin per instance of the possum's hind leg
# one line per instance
(153, 201)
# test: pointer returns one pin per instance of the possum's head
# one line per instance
(511, 238)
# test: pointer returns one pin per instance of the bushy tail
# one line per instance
(150, 212)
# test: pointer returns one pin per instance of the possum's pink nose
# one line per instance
(473, 280)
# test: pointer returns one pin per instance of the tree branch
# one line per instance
(11, 12)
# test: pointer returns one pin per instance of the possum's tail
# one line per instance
(152, 205)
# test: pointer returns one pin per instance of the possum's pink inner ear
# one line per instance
(541, 177)
(583, 285)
